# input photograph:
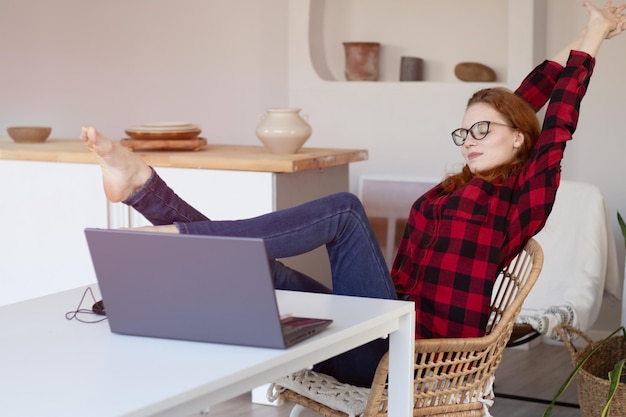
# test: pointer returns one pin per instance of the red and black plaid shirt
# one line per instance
(455, 244)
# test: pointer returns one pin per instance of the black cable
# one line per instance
(535, 400)
(70, 315)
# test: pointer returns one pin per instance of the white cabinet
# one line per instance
(45, 207)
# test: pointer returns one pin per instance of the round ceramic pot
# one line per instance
(283, 130)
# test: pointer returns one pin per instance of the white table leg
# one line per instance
(259, 396)
(401, 352)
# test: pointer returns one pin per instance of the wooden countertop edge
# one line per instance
(219, 157)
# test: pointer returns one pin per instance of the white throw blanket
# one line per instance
(546, 321)
(580, 262)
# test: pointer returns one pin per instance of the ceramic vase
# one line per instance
(411, 68)
(361, 61)
(283, 131)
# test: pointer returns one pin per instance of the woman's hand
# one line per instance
(609, 19)
(604, 23)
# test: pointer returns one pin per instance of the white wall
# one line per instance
(116, 63)
(219, 63)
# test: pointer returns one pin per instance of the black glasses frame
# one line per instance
(478, 131)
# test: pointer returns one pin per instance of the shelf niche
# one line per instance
(506, 36)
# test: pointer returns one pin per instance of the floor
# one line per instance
(535, 373)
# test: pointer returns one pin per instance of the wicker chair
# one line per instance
(453, 377)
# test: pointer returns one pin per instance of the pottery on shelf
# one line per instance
(411, 68)
(361, 61)
(29, 134)
(283, 131)
(474, 71)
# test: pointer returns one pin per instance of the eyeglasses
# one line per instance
(478, 131)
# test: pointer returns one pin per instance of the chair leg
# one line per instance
(296, 411)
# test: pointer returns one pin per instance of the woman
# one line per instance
(458, 235)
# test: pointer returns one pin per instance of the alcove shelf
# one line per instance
(512, 29)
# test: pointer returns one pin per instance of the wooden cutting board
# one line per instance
(164, 144)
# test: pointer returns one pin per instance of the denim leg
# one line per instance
(160, 204)
(356, 366)
(337, 221)
(285, 278)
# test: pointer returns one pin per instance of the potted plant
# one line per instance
(592, 385)
(586, 356)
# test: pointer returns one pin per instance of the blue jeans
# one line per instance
(337, 222)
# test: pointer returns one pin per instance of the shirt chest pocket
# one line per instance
(466, 209)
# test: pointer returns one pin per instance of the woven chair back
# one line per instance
(454, 376)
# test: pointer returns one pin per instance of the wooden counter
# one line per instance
(219, 157)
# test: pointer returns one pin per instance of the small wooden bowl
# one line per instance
(29, 134)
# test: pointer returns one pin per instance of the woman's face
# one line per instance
(497, 148)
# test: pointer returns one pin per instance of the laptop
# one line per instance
(188, 287)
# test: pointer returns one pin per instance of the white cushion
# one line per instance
(579, 261)
(324, 389)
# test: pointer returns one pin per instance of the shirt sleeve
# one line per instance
(562, 114)
(539, 181)
(537, 87)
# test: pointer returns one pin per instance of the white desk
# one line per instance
(52, 366)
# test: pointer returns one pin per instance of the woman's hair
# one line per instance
(521, 115)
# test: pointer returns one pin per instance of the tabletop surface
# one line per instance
(54, 366)
(213, 156)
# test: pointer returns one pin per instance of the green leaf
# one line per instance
(622, 225)
(614, 378)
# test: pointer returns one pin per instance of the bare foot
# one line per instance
(123, 172)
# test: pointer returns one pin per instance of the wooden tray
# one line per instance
(173, 135)
(164, 144)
